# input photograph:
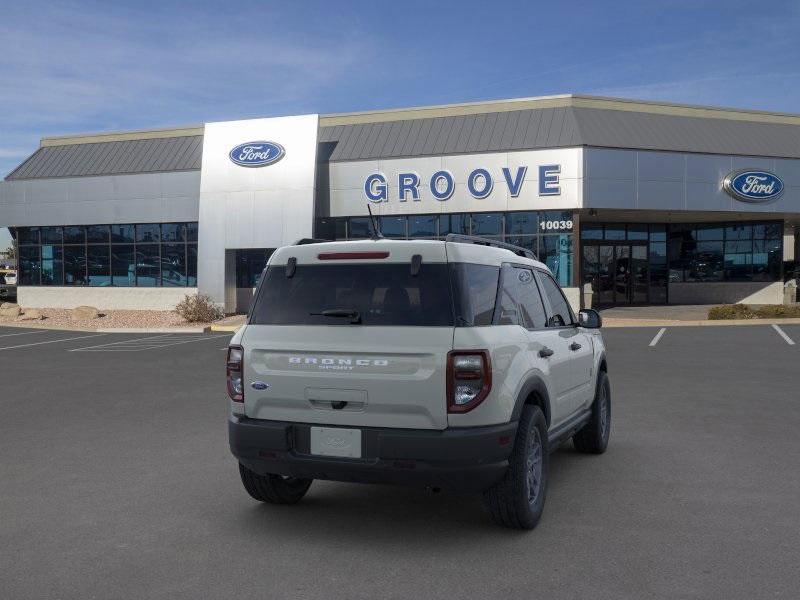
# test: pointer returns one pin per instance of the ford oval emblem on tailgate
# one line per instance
(259, 385)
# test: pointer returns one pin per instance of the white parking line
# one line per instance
(658, 336)
(782, 333)
(152, 343)
(25, 333)
(151, 337)
(83, 337)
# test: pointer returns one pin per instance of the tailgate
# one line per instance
(359, 376)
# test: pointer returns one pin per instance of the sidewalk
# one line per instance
(675, 316)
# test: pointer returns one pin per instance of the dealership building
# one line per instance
(647, 202)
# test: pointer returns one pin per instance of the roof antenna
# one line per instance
(376, 231)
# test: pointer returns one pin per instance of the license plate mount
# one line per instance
(336, 441)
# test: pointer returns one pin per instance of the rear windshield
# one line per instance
(381, 294)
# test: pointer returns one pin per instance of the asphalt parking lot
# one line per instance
(116, 482)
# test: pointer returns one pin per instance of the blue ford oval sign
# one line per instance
(257, 154)
(753, 186)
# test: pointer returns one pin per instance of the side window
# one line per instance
(520, 302)
(561, 314)
(474, 293)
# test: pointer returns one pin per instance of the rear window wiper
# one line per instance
(343, 313)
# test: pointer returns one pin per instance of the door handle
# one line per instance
(574, 346)
(545, 352)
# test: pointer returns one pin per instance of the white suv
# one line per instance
(453, 364)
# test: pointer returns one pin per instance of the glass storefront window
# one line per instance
(614, 231)
(74, 235)
(360, 227)
(522, 223)
(191, 232)
(638, 232)
(123, 265)
(393, 227)
(173, 265)
(106, 255)
(658, 233)
(250, 264)
(328, 228)
(739, 231)
(191, 270)
(726, 252)
(173, 232)
(122, 234)
(526, 241)
(556, 252)
(51, 235)
(591, 231)
(709, 233)
(487, 224)
(423, 226)
(27, 235)
(74, 265)
(29, 264)
(456, 223)
(98, 260)
(97, 234)
(148, 233)
(52, 265)
(148, 265)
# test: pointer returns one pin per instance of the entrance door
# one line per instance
(618, 272)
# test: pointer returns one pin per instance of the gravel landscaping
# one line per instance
(56, 318)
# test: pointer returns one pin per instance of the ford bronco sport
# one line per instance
(453, 364)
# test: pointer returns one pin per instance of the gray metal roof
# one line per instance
(648, 131)
(560, 127)
(524, 124)
(182, 153)
(488, 132)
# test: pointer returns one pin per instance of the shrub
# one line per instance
(731, 311)
(746, 311)
(197, 308)
(778, 311)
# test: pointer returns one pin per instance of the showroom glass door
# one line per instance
(618, 272)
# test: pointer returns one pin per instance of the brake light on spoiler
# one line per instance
(351, 255)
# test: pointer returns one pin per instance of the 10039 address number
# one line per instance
(556, 225)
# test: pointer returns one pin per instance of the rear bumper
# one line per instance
(464, 459)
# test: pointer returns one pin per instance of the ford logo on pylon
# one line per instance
(257, 154)
(753, 186)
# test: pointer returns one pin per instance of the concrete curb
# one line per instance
(611, 323)
(153, 330)
(225, 328)
(39, 326)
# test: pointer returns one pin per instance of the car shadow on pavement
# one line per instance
(397, 515)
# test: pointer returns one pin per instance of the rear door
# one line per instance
(521, 302)
(382, 364)
(578, 344)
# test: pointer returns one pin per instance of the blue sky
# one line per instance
(74, 67)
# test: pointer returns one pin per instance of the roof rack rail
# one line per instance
(304, 241)
(482, 241)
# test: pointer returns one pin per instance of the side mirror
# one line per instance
(590, 319)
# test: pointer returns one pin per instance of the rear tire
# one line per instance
(517, 501)
(593, 437)
(273, 489)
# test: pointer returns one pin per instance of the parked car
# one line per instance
(8, 284)
(452, 364)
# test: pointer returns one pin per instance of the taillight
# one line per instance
(235, 373)
(469, 379)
